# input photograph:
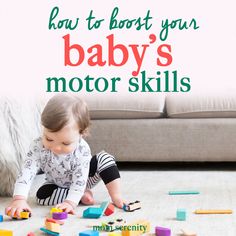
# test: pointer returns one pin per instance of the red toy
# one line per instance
(109, 210)
(30, 234)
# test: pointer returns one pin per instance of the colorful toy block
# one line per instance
(114, 234)
(1, 218)
(54, 227)
(213, 212)
(185, 192)
(30, 234)
(49, 232)
(161, 231)
(104, 206)
(55, 210)
(187, 233)
(59, 215)
(135, 229)
(113, 225)
(54, 221)
(132, 206)
(181, 214)
(89, 233)
(4, 232)
(23, 215)
(92, 212)
(110, 209)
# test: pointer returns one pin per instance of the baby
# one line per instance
(65, 158)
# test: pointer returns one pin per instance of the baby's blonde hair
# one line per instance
(61, 108)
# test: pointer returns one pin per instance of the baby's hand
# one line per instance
(17, 206)
(67, 206)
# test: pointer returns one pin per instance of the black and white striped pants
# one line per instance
(102, 166)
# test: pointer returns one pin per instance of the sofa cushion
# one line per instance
(126, 106)
(201, 106)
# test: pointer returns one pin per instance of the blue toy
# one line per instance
(1, 218)
(104, 206)
(181, 214)
(49, 232)
(93, 212)
(89, 233)
(185, 192)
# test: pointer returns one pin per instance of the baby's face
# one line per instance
(62, 142)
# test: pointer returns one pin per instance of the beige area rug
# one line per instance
(217, 191)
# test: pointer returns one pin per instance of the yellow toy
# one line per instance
(55, 210)
(4, 232)
(213, 212)
(23, 215)
(54, 227)
(137, 228)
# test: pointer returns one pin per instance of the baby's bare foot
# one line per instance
(118, 201)
(87, 198)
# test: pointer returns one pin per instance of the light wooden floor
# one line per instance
(217, 191)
